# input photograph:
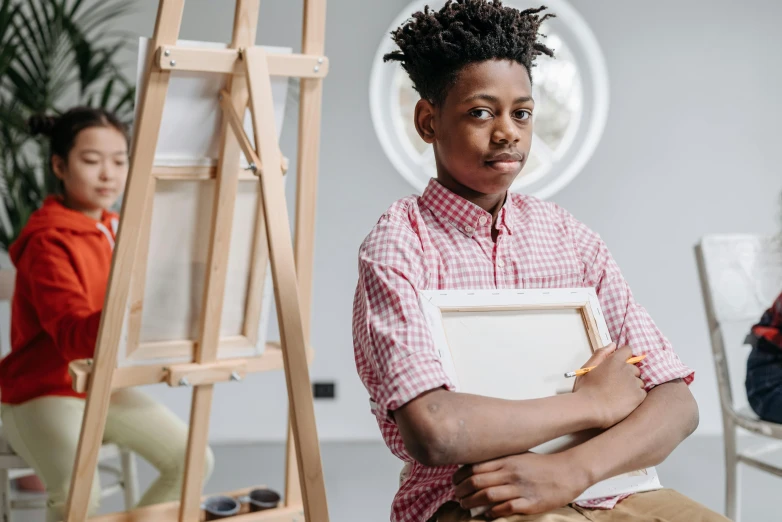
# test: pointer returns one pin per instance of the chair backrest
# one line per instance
(7, 281)
(741, 276)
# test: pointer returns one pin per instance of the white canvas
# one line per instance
(178, 254)
(522, 353)
(516, 336)
(181, 218)
(190, 130)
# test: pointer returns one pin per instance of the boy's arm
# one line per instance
(531, 483)
(609, 454)
(401, 368)
(444, 428)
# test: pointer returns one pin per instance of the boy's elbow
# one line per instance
(695, 416)
(688, 409)
(684, 409)
(429, 436)
(431, 447)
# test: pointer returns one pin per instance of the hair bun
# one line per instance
(41, 124)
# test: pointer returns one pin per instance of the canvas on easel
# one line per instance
(517, 344)
(163, 311)
(204, 345)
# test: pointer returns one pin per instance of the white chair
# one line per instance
(12, 466)
(741, 276)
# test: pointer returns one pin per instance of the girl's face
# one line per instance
(95, 170)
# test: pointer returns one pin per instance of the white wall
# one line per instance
(689, 149)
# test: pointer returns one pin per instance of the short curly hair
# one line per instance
(435, 45)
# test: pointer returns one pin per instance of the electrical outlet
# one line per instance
(324, 390)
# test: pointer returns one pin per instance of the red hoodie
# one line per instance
(62, 260)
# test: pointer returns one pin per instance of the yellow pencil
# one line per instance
(582, 371)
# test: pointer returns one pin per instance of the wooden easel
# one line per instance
(248, 69)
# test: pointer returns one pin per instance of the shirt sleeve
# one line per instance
(628, 322)
(395, 354)
(59, 299)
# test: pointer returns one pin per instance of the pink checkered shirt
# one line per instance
(442, 241)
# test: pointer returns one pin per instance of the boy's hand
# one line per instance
(521, 484)
(614, 388)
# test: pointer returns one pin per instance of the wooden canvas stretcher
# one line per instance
(208, 358)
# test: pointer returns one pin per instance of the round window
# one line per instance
(571, 100)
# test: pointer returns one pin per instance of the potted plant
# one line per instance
(53, 54)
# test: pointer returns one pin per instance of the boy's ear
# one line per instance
(424, 120)
(58, 166)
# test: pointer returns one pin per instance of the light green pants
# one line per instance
(45, 433)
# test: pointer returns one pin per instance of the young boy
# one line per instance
(470, 62)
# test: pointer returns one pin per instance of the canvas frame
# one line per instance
(435, 303)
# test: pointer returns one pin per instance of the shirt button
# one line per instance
(500, 263)
(468, 229)
(483, 220)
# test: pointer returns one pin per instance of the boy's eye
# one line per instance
(523, 114)
(481, 114)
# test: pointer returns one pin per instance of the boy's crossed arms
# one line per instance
(442, 428)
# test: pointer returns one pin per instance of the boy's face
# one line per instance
(482, 131)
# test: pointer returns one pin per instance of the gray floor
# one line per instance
(361, 478)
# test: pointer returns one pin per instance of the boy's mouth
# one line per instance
(505, 161)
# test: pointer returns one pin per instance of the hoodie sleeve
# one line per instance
(59, 298)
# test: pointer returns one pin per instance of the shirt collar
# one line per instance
(466, 216)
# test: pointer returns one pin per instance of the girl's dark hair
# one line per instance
(435, 45)
(62, 130)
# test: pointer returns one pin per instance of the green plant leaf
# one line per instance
(107, 92)
(99, 16)
(50, 50)
(7, 34)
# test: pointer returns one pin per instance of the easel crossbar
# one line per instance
(228, 61)
(168, 510)
(128, 377)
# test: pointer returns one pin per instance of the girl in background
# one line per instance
(62, 259)
(764, 365)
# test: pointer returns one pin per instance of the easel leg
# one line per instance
(192, 485)
(169, 18)
(292, 486)
(286, 289)
(313, 36)
(244, 30)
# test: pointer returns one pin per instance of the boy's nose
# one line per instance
(505, 131)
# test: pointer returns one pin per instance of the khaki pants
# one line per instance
(45, 433)
(664, 505)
